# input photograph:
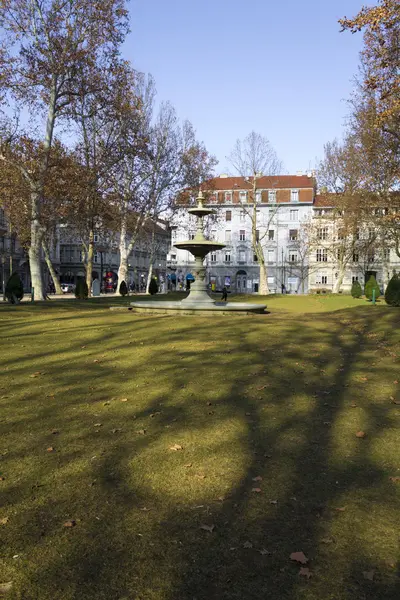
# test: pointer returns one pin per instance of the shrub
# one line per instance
(14, 289)
(81, 290)
(370, 286)
(392, 292)
(356, 290)
(153, 287)
(123, 288)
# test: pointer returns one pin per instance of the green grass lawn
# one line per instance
(263, 411)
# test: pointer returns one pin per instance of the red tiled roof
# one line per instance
(267, 182)
(324, 200)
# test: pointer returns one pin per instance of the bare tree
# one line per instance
(63, 43)
(252, 158)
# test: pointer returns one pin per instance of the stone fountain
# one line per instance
(198, 299)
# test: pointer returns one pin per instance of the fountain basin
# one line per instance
(190, 308)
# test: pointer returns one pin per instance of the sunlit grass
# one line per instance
(278, 397)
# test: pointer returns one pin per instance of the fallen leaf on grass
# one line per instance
(124, 399)
(55, 431)
(327, 540)
(395, 479)
(305, 572)
(256, 490)
(261, 388)
(395, 381)
(116, 430)
(70, 523)
(394, 401)
(209, 528)
(5, 587)
(273, 501)
(96, 360)
(353, 405)
(264, 552)
(188, 465)
(141, 431)
(50, 449)
(2, 478)
(176, 447)
(258, 478)
(369, 575)
(200, 476)
(4, 521)
(341, 509)
(98, 425)
(361, 434)
(299, 557)
(247, 545)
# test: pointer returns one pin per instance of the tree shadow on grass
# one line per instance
(280, 409)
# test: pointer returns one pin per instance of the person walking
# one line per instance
(224, 293)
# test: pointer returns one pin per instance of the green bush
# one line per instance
(14, 289)
(392, 292)
(123, 288)
(370, 286)
(356, 290)
(81, 289)
(153, 287)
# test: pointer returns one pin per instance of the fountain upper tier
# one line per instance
(199, 246)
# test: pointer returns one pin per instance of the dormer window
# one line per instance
(258, 196)
(272, 196)
(294, 195)
(243, 197)
(213, 198)
(228, 197)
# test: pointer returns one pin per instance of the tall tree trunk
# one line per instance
(37, 230)
(35, 263)
(263, 289)
(149, 276)
(123, 254)
(338, 283)
(89, 262)
(54, 276)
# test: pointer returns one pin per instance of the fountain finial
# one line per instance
(200, 199)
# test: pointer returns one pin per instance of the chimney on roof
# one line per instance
(299, 173)
(224, 176)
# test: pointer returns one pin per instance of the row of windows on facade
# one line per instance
(377, 212)
(293, 235)
(69, 255)
(323, 233)
(322, 255)
(293, 214)
(244, 195)
(242, 257)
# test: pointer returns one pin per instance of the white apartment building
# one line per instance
(283, 202)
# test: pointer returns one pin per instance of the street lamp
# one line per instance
(3, 275)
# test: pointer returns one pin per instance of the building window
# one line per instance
(322, 255)
(357, 234)
(272, 196)
(213, 198)
(386, 254)
(228, 197)
(258, 196)
(371, 256)
(95, 238)
(323, 233)
(243, 197)
(324, 279)
(242, 215)
(213, 234)
(271, 235)
(213, 257)
(255, 258)
(96, 257)
(242, 256)
(227, 257)
(242, 235)
(321, 279)
(228, 235)
(228, 215)
(191, 235)
(292, 256)
(355, 257)
(173, 235)
(257, 235)
(354, 278)
(294, 215)
(293, 235)
(271, 255)
(294, 195)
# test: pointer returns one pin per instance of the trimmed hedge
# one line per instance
(392, 292)
(123, 288)
(14, 289)
(356, 290)
(81, 290)
(370, 286)
(153, 287)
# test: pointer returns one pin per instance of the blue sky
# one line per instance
(281, 68)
